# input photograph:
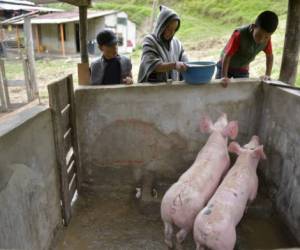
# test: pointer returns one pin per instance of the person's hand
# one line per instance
(180, 66)
(265, 78)
(225, 81)
(128, 80)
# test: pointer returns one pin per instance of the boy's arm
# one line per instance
(269, 61)
(230, 49)
(225, 66)
(269, 64)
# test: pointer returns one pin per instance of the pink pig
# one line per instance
(214, 227)
(185, 198)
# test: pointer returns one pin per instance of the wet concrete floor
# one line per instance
(113, 221)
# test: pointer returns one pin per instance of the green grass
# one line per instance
(233, 10)
(298, 80)
(226, 11)
(63, 6)
(136, 13)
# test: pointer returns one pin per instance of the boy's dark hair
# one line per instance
(106, 37)
(267, 20)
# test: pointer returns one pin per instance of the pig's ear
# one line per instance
(259, 153)
(206, 125)
(231, 130)
(234, 147)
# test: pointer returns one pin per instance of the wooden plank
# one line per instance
(72, 187)
(70, 156)
(74, 134)
(63, 94)
(56, 105)
(83, 26)
(66, 122)
(66, 110)
(291, 51)
(68, 140)
(71, 170)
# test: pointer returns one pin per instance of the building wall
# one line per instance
(30, 210)
(94, 26)
(50, 38)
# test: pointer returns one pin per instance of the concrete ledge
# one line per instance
(173, 84)
(17, 118)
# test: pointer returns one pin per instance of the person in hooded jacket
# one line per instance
(163, 56)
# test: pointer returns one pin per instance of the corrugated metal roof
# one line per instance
(17, 2)
(7, 6)
(66, 17)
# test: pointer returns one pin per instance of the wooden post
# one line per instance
(30, 96)
(2, 38)
(30, 55)
(3, 96)
(37, 38)
(290, 58)
(83, 34)
(4, 82)
(18, 37)
(62, 38)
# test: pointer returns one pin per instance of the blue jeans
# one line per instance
(231, 73)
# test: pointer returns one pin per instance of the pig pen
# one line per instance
(134, 142)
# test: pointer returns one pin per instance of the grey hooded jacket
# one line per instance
(157, 51)
(98, 69)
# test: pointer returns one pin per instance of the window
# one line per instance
(122, 20)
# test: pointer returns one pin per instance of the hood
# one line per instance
(166, 14)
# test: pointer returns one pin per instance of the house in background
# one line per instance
(58, 33)
(12, 8)
(10, 35)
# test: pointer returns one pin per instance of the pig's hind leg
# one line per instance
(199, 247)
(168, 234)
(180, 237)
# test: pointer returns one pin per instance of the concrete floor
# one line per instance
(113, 221)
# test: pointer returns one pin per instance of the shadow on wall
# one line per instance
(148, 147)
(20, 192)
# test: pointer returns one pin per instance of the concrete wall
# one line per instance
(154, 127)
(128, 130)
(29, 189)
(280, 133)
